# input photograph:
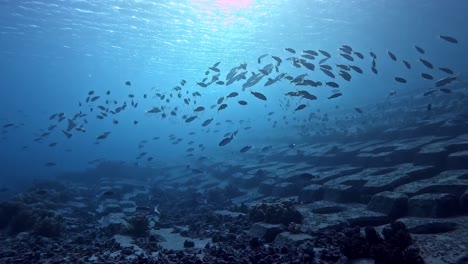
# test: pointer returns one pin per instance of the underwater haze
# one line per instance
(233, 131)
(54, 52)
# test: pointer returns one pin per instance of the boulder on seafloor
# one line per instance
(433, 205)
(392, 204)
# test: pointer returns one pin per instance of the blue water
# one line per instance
(53, 52)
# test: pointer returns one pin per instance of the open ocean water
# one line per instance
(233, 131)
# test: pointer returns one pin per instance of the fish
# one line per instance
(197, 171)
(336, 95)
(278, 60)
(446, 70)
(407, 64)
(311, 52)
(245, 149)
(430, 92)
(290, 50)
(207, 122)
(400, 80)
(449, 39)
(232, 95)
(324, 53)
(374, 70)
(95, 98)
(426, 63)
(103, 135)
(222, 107)
(429, 107)
(356, 69)
(359, 110)
(199, 109)
(241, 102)
(345, 75)
(419, 49)
(69, 135)
(372, 54)
(445, 90)
(220, 100)
(392, 56)
(226, 141)
(259, 95)
(135, 122)
(332, 84)
(53, 144)
(261, 57)
(300, 107)
(190, 119)
(427, 76)
(128, 83)
(50, 164)
(445, 81)
(359, 55)
(328, 73)
(8, 125)
(347, 56)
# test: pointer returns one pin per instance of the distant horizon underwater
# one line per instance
(234, 131)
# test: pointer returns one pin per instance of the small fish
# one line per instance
(429, 107)
(241, 102)
(226, 141)
(426, 63)
(95, 98)
(392, 56)
(419, 49)
(207, 122)
(332, 84)
(359, 55)
(103, 136)
(449, 39)
(300, 107)
(232, 95)
(222, 107)
(290, 50)
(336, 95)
(199, 109)
(324, 53)
(135, 122)
(108, 92)
(356, 69)
(190, 119)
(50, 164)
(359, 110)
(128, 83)
(407, 64)
(400, 80)
(427, 76)
(245, 149)
(261, 57)
(347, 56)
(430, 92)
(446, 70)
(259, 95)
(445, 90)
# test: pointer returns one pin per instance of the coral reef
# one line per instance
(393, 247)
(139, 226)
(275, 213)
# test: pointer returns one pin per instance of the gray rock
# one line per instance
(433, 205)
(392, 204)
(311, 193)
(266, 231)
(340, 193)
(266, 186)
(285, 189)
(287, 238)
